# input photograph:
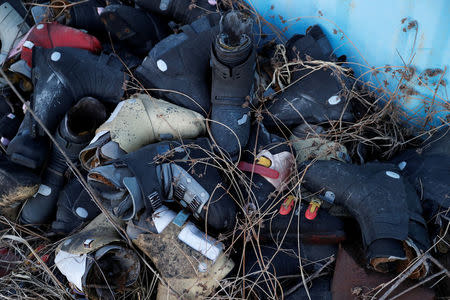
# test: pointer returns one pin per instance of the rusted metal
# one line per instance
(352, 281)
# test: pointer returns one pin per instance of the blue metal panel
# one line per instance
(375, 34)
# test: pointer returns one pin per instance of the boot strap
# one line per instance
(143, 163)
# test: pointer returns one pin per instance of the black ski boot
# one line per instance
(383, 203)
(427, 168)
(73, 135)
(179, 66)
(313, 96)
(5, 108)
(5, 114)
(270, 176)
(9, 125)
(11, 112)
(84, 15)
(11, 116)
(184, 11)
(75, 208)
(320, 290)
(323, 229)
(233, 67)
(185, 172)
(25, 150)
(133, 27)
(281, 262)
(61, 77)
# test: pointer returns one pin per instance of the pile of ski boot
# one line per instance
(161, 134)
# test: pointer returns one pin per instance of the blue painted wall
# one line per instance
(377, 33)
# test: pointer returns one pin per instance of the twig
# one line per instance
(418, 284)
(39, 259)
(310, 278)
(438, 264)
(403, 277)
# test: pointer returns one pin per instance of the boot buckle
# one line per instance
(287, 205)
(195, 204)
(190, 194)
(264, 161)
(313, 208)
(179, 191)
(155, 200)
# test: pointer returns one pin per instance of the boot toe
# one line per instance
(40, 208)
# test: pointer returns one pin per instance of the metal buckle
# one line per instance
(195, 204)
(155, 200)
(179, 192)
(187, 200)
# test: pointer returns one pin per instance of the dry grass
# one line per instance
(380, 125)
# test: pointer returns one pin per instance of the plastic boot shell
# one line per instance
(179, 66)
(139, 121)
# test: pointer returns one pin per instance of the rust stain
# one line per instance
(283, 21)
(406, 73)
(351, 280)
(412, 24)
(433, 72)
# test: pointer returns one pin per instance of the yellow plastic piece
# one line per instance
(264, 161)
(314, 205)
